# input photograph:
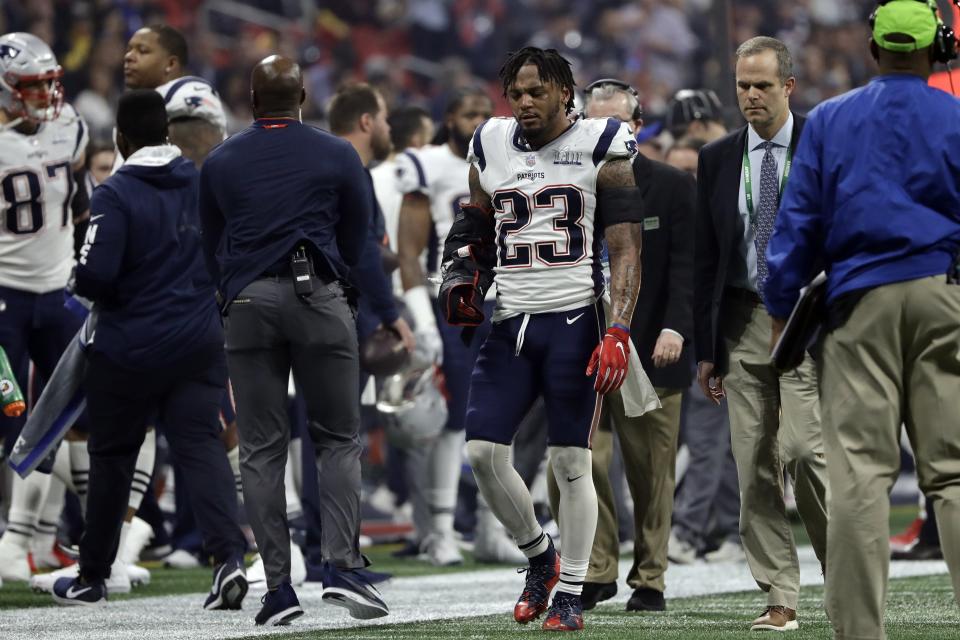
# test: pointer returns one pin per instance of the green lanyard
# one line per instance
(748, 178)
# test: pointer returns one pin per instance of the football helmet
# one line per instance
(30, 85)
(413, 404)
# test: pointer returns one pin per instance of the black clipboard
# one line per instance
(803, 326)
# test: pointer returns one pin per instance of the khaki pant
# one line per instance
(895, 361)
(649, 446)
(774, 423)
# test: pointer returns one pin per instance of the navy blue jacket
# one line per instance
(142, 262)
(275, 185)
(874, 192)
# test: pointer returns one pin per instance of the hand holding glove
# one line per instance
(610, 359)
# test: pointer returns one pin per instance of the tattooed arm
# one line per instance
(616, 185)
(478, 196)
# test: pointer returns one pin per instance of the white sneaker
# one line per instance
(257, 575)
(138, 537)
(13, 562)
(680, 551)
(181, 559)
(440, 550)
(494, 546)
(729, 551)
(138, 575)
(43, 582)
(118, 582)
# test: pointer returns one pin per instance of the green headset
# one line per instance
(944, 42)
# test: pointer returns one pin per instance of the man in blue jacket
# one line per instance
(286, 211)
(875, 198)
(158, 351)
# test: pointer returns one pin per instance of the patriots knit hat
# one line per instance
(912, 18)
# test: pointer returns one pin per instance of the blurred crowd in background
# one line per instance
(418, 51)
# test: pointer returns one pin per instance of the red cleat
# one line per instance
(541, 579)
(909, 538)
(566, 613)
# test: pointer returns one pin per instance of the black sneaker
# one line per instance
(70, 591)
(229, 586)
(596, 592)
(646, 600)
(279, 607)
(352, 590)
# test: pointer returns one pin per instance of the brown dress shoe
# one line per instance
(776, 618)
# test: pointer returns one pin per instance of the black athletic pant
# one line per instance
(186, 397)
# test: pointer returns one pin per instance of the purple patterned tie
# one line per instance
(766, 212)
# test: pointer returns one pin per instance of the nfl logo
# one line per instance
(531, 160)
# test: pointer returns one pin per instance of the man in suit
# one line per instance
(661, 327)
(774, 420)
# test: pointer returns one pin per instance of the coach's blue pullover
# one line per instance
(273, 186)
(142, 262)
(874, 192)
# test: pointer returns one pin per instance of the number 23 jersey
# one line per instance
(36, 188)
(545, 201)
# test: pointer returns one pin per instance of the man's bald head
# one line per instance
(276, 88)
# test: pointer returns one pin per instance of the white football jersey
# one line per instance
(545, 200)
(36, 189)
(384, 177)
(444, 177)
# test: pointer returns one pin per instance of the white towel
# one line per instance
(637, 391)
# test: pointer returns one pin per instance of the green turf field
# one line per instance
(917, 608)
(177, 581)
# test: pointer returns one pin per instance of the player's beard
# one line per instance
(460, 139)
(381, 147)
(535, 134)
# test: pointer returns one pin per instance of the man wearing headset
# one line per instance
(874, 199)
(661, 328)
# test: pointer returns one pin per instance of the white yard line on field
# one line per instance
(452, 595)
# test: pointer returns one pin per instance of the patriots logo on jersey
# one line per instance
(8, 52)
(193, 101)
(631, 147)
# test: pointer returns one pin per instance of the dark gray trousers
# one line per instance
(269, 331)
(709, 499)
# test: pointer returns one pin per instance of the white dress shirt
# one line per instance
(748, 250)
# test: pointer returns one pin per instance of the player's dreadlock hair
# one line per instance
(552, 66)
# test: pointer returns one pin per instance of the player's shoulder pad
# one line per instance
(193, 97)
(485, 136)
(411, 175)
(610, 139)
(71, 120)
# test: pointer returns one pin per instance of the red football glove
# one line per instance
(609, 360)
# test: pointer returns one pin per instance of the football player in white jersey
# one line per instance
(543, 188)
(434, 183)
(156, 58)
(410, 128)
(42, 143)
